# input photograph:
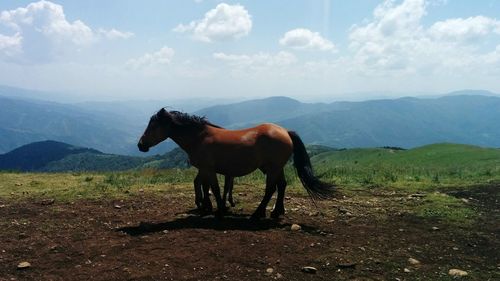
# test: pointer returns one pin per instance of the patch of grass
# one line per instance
(68, 187)
(446, 208)
(425, 168)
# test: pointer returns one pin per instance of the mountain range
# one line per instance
(469, 117)
(53, 156)
(405, 122)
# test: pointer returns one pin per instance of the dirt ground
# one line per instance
(369, 236)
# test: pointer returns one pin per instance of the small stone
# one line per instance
(18, 184)
(279, 276)
(117, 206)
(466, 201)
(457, 272)
(435, 228)
(141, 190)
(2, 206)
(47, 202)
(295, 227)
(406, 270)
(413, 261)
(23, 265)
(309, 269)
(270, 270)
(313, 214)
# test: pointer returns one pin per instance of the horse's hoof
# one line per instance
(204, 212)
(257, 216)
(207, 207)
(276, 215)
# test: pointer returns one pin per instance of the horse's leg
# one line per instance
(214, 184)
(231, 186)
(197, 192)
(279, 207)
(207, 203)
(228, 188)
(271, 179)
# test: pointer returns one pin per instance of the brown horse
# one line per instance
(236, 153)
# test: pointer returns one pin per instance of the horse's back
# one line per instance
(266, 132)
(238, 152)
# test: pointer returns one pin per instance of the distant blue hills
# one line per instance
(53, 156)
(468, 117)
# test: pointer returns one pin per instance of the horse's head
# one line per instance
(157, 130)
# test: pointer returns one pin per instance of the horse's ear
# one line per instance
(164, 115)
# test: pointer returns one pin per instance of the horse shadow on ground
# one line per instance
(228, 222)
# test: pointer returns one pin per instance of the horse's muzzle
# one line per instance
(142, 147)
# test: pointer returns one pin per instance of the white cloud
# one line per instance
(10, 45)
(42, 33)
(161, 57)
(468, 29)
(302, 38)
(257, 60)
(396, 41)
(224, 22)
(115, 34)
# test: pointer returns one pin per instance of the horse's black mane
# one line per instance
(184, 119)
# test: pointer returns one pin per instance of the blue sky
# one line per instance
(312, 50)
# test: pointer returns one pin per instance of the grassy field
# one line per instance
(433, 169)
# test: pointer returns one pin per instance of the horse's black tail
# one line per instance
(314, 186)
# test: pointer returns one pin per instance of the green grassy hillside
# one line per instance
(437, 164)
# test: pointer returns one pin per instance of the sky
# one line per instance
(311, 50)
